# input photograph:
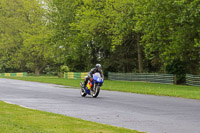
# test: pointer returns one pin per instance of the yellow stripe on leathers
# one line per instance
(7, 74)
(70, 75)
(83, 75)
(19, 74)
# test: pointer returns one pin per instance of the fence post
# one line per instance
(175, 79)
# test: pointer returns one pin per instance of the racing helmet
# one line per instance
(98, 66)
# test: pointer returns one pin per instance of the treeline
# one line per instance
(123, 35)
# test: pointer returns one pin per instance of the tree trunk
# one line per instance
(39, 68)
(37, 71)
(140, 65)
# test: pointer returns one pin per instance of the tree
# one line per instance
(62, 14)
(109, 23)
(25, 34)
(170, 31)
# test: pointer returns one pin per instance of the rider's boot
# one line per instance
(85, 83)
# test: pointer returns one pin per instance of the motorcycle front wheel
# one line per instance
(82, 92)
(96, 93)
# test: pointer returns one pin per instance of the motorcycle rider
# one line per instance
(97, 69)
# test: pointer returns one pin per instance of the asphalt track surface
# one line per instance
(152, 114)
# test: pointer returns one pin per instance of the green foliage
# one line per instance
(25, 35)
(122, 35)
(65, 69)
(107, 27)
(177, 67)
(170, 29)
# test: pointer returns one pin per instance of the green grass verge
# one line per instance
(15, 119)
(183, 91)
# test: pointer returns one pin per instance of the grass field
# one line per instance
(15, 119)
(191, 92)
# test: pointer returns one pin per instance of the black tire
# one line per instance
(97, 92)
(83, 94)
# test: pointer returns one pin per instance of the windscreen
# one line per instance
(98, 75)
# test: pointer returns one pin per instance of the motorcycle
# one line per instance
(93, 86)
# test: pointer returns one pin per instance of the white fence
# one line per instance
(193, 80)
(146, 77)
